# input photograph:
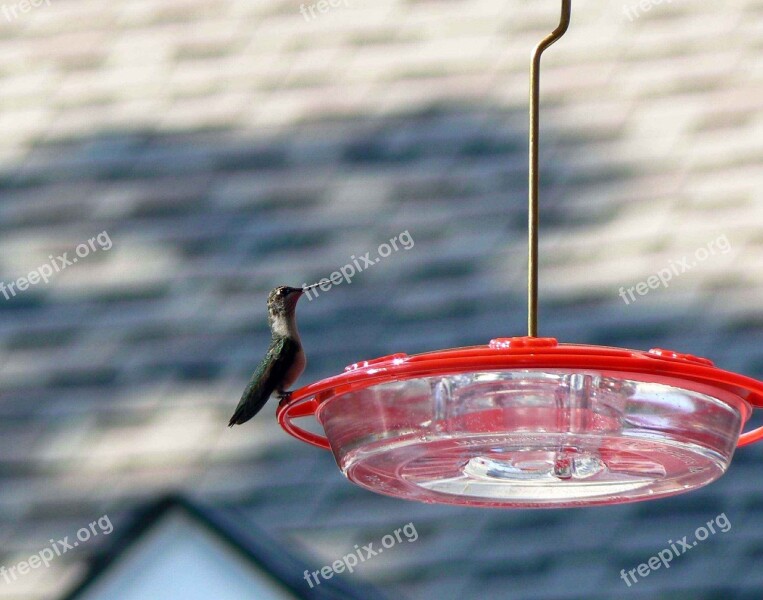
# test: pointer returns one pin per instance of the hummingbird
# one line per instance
(285, 359)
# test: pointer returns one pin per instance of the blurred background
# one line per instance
(228, 146)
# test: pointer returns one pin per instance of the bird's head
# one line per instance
(282, 300)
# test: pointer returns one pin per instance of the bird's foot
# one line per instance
(283, 398)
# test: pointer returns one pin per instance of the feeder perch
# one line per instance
(527, 421)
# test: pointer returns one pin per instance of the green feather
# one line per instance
(266, 379)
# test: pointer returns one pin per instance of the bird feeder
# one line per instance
(527, 421)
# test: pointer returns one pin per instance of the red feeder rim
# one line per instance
(523, 353)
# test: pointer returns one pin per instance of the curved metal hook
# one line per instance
(532, 275)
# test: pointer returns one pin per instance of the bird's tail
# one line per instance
(238, 418)
(252, 401)
(243, 413)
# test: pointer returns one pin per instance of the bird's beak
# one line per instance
(309, 287)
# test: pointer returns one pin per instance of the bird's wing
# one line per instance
(265, 379)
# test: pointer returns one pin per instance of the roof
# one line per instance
(263, 552)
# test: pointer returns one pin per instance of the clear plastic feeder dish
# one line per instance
(527, 422)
